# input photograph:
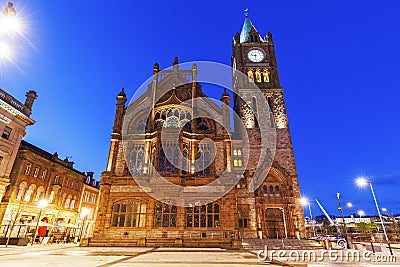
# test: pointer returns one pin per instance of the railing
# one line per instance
(14, 103)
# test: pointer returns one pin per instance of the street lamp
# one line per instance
(41, 205)
(84, 213)
(349, 205)
(305, 202)
(361, 213)
(362, 182)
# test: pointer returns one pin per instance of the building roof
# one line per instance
(52, 157)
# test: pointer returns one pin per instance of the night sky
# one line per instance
(338, 64)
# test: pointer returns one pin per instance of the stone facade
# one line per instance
(129, 216)
(14, 118)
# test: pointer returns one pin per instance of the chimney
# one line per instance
(90, 175)
(30, 98)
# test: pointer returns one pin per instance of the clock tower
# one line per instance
(255, 57)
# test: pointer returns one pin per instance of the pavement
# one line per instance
(72, 255)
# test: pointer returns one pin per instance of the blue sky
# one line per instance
(338, 64)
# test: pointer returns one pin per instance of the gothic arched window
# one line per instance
(185, 161)
(129, 213)
(168, 161)
(271, 113)
(271, 190)
(277, 190)
(51, 197)
(265, 190)
(39, 193)
(255, 110)
(136, 163)
(204, 160)
(68, 201)
(165, 215)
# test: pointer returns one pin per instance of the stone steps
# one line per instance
(302, 244)
(161, 242)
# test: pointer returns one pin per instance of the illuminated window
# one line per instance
(258, 75)
(6, 133)
(72, 204)
(28, 168)
(44, 173)
(203, 216)
(237, 158)
(129, 214)
(68, 201)
(63, 199)
(93, 198)
(56, 179)
(39, 193)
(266, 75)
(36, 172)
(21, 190)
(250, 75)
(86, 196)
(28, 194)
(51, 198)
(166, 215)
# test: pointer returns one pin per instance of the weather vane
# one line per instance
(246, 12)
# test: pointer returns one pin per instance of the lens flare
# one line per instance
(5, 51)
(11, 25)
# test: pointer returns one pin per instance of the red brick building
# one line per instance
(38, 174)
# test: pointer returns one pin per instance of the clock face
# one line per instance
(255, 55)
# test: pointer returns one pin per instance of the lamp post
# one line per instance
(42, 204)
(361, 213)
(305, 202)
(349, 243)
(84, 214)
(362, 182)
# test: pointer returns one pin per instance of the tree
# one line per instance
(364, 227)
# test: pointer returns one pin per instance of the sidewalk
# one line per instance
(36, 248)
